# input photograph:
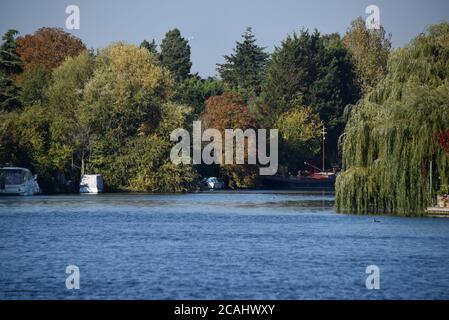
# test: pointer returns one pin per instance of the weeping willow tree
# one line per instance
(391, 138)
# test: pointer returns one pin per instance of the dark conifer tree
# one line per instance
(244, 70)
(175, 54)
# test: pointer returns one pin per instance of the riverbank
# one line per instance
(438, 212)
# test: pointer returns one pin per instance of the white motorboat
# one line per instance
(18, 181)
(91, 183)
(211, 183)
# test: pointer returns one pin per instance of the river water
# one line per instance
(215, 245)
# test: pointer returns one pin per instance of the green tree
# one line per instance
(149, 154)
(303, 70)
(150, 46)
(70, 133)
(10, 67)
(129, 110)
(194, 91)
(9, 148)
(33, 85)
(175, 54)
(229, 111)
(244, 70)
(392, 133)
(24, 141)
(310, 70)
(10, 62)
(369, 50)
(9, 94)
(300, 130)
(112, 114)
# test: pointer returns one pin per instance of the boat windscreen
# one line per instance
(12, 177)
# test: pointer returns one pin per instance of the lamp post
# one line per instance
(324, 138)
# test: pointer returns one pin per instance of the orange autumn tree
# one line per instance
(48, 48)
(229, 111)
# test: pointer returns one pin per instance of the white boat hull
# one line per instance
(12, 192)
(16, 181)
(91, 184)
(90, 190)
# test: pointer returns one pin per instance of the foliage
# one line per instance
(229, 111)
(129, 111)
(39, 136)
(443, 139)
(48, 47)
(239, 176)
(244, 70)
(168, 178)
(109, 114)
(194, 91)
(9, 148)
(9, 94)
(65, 110)
(24, 141)
(314, 71)
(34, 83)
(70, 132)
(10, 62)
(175, 54)
(145, 158)
(369, 50)
(444, 190)
(10, 67)
(151, 47)
(391, 137)
(300, 130)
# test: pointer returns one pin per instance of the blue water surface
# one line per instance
(215, 245)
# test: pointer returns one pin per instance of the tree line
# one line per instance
(65, 109)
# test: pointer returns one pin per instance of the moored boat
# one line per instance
(18, 181)
(91, 183)
(319, 180)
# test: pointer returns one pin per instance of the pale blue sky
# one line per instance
(216, 25)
